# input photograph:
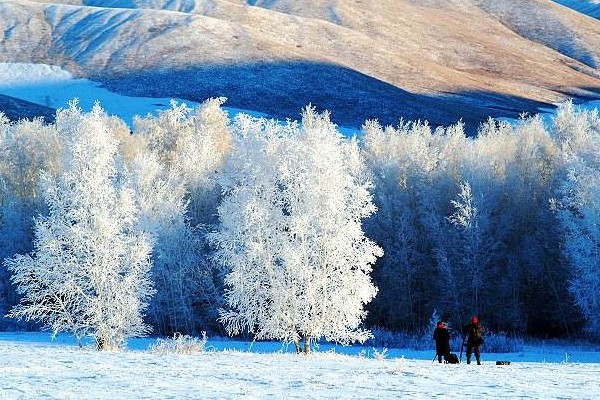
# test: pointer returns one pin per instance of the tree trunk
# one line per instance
(298, 348)
(306, 344)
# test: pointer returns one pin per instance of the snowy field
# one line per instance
(33, 366)
(54, 87)
(589, 7)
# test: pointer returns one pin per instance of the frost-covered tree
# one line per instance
(26, 149)
(191, 143)
(291, 233)
(579, 208)
(177, 191)
(511, 169)
(533, 238)
(414, 168)
(581, 221)
(474, 245)
(180, 272)
(88, 271)
(402, 161)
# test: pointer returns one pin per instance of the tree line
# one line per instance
(193, 221)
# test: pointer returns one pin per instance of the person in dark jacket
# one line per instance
(474, 339)
(441, 336)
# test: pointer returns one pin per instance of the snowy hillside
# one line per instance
(33, 368)
(589, 7)
(439, 60)
(53, 87)
(17, 108)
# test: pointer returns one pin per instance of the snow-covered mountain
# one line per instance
(436, 59)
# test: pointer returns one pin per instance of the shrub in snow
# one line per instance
(88, 272)
(501, 342)
(380, 355)
(180, 344)
(382, 337)
(290, 232)
(495, 342)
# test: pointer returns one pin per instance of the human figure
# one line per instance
(441, 336)
(474, 338)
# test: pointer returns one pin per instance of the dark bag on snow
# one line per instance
(452, 358)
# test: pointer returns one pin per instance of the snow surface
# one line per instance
(54, 87)
(35, 367)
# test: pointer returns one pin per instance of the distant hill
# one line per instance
(15, 109)
(439, 60)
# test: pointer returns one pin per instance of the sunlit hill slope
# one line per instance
(439, 60)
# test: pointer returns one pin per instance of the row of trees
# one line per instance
(195, 222)
(119, 219)
(503, 225)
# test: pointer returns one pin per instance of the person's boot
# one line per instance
(468, 359)
(478, 360)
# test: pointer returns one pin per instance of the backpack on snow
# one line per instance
(452, 358)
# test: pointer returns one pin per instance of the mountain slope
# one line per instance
(589, 7)
(433, 59)
(15, 109)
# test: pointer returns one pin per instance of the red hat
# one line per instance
(441, 325)
(475, 320)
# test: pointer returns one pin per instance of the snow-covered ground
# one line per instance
(54, 87)
(33, 366)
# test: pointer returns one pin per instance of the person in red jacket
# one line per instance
(441, 336)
